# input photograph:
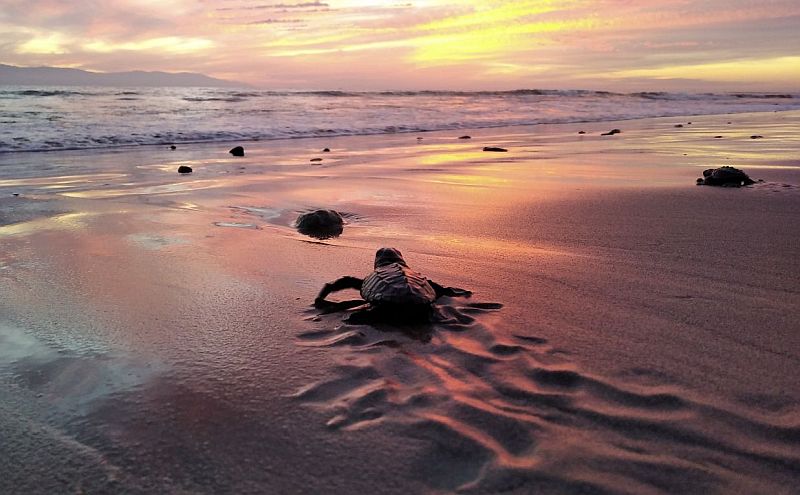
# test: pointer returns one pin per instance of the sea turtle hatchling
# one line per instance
(392, 290)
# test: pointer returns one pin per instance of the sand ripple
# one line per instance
(505, 411)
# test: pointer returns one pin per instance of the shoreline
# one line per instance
(404, 132)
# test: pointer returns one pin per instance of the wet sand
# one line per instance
(629, 332)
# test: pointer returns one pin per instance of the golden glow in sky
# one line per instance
(424, 44)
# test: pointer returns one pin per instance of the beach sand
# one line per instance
(629, 332)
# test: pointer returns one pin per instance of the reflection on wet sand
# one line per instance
(66, 221)
(645, 342)
(62, 181)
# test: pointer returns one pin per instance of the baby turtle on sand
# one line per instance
(393, 291)
(724, 176)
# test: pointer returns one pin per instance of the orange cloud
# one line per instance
(465, 44)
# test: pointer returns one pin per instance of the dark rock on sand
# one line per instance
(320, 224)
(724, 176)
(237, 151)
(581, 132)
(756, 137)
(173, 147)
(465, 137)
(611, 132)
(678, 125)
(326, 150)
(316, 160)
(184, 169)
(717, 137)
(494, 148)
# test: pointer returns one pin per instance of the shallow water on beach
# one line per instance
(629, 332)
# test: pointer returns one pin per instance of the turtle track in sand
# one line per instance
(502, 409)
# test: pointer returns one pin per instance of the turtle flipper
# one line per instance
(449, 291)
(337, 285)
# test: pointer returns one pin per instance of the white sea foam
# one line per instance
(50, 118)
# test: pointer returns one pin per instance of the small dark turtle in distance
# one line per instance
(717, 137)
(173, 147)
(724, 176)
(581, 132)
(756, 137)
(678, 125)
(611, 132)
(237, 151)
(465, 137)
(316, 160)
(184, 169)
(320, 224)
(494, 148)
(393, 291)
(326, 150)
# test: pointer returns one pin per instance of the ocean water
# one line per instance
(53, 118)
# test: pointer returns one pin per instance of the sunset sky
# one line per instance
(421, 44)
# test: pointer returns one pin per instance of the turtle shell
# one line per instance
(396, 284)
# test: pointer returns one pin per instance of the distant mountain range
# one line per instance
(59, 76)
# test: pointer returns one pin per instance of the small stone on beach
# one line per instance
(316, 160)
(581, 132)
(756, 137)
(173, 147)
(717, 137)
(320, 224)
(465, 137)
(494, 148)
(184, 169)
(724, 176)
(237, 151)
(678, 125)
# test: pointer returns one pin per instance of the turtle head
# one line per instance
(387, 256)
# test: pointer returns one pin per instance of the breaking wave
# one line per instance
(99, 117)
